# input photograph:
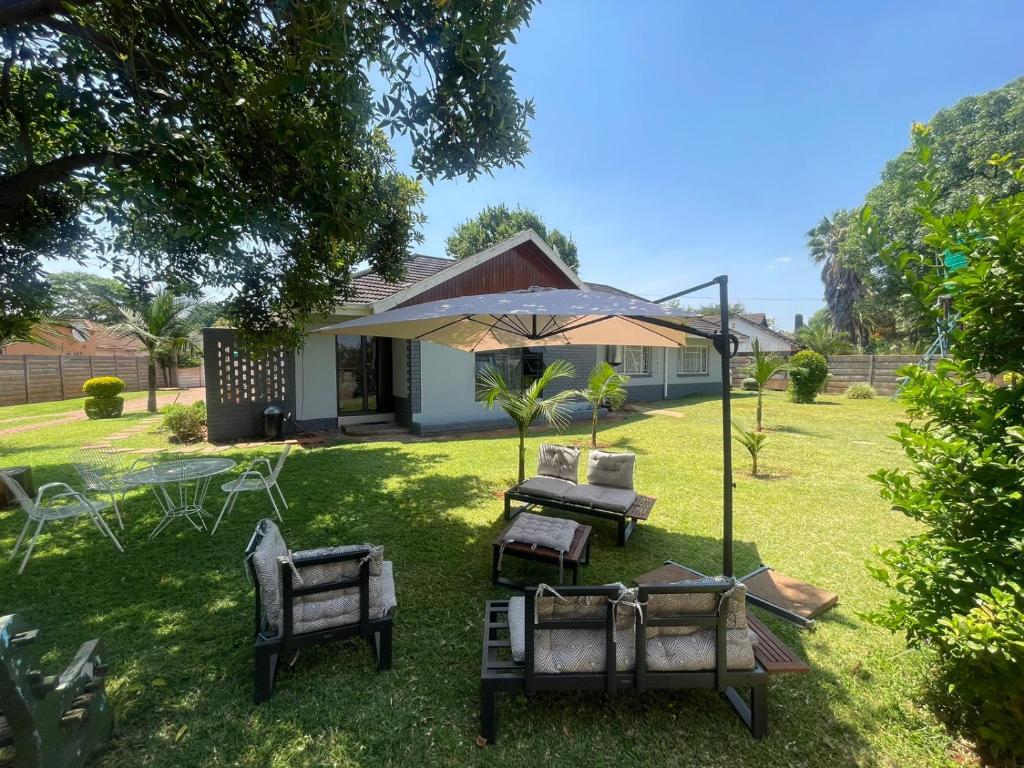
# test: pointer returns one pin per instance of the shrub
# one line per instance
(103, 401)
(186, 422)
(808, 371)
(749, 385)
(103, 386)
(104, 407)
(860, 391)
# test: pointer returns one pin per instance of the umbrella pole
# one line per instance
(727, 482)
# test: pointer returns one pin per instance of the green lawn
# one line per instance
(15, 415)
(176, 613)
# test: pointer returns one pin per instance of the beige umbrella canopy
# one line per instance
(536, 317)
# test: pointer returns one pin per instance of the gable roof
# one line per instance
(757, 318)
(368, 286)
(763, 327)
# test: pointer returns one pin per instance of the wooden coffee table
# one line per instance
(578, 554)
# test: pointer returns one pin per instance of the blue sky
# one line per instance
(679, 140)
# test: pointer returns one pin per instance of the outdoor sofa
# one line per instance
(608, 492)
(316, 596)
(607, 638)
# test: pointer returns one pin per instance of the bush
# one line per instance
(103, 386)
(860, 391)
(749, 385)
(104, 407)
(808, 372)
(186, 422)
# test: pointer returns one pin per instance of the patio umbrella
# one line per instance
(535, 317)
(548, 316)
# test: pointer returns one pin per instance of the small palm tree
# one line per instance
(820, 335)
(605, 387)
(526, 406)
(754, 442)
(164, 323)
(761, 368)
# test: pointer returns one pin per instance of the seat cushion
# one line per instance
(267, 557)
(347, 569)
(601, 497)
(695, 652)
(667, 606)
(559, 461)
(312, 613)
(572, 650)
(612, 470)
(546, 487)
(542, 531)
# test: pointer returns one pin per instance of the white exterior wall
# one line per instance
(448, 388)
(768, 341)
(316, 379)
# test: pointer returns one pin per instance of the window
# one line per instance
(636, 360)
(692, 360)
(519, 367)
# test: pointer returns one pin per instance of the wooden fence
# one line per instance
(877, 370)
(41, 378)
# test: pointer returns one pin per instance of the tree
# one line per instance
(708, 310)
(808, 372)
(844, 289)
(962, 139)
(162, 322)
(820, 335)
(242, 145)
(761, 368)
(754, 442)
(605, 387)
(525, 407)
(498, 222)
(957, 582)
(85, 296)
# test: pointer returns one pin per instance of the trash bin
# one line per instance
(273, 421)
(20, 475)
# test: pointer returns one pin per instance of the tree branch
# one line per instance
(15, 12)
(16, 188)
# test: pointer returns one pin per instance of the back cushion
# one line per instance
(561, 461)
(667, 606)
(614, 470)
(266, 562)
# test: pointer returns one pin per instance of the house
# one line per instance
(341, 380)
(77, 338)
(754, 325)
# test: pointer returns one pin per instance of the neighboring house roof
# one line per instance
(368, 286)
(77, 337)
(760, 320)
(757, 318)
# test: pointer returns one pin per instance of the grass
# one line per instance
(14, 415)
(175, 614)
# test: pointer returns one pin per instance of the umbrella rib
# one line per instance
(650, 330)
(551, 321)
(446, 325)
(567, 328)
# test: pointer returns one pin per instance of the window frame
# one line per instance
(645, 360)
(705, 354)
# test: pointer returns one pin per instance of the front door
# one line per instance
(364, 375)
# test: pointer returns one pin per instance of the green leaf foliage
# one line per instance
(103, 386)
(103, 407)
(752, 441)
(499, 222)
(606, 387)
(186, 422)
(860, 391)
(244, 145)
(807, 373)
(762, 366)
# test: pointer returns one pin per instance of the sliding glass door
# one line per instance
(364, 375)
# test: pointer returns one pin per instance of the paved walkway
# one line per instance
(163, 397)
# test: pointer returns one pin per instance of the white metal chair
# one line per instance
(103, 471)
(252, 479)
(65, 505)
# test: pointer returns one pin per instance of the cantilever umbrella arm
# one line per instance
(727, 345)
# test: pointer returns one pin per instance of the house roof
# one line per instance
(760, 320)
(368, 286)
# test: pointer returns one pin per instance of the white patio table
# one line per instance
(186, 502)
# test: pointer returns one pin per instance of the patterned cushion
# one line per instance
(347, 569)
(613, 470)
(542, 531)
(561, 461)
(546, 487)
(696, 652)
(312, 613)
(266, 562)
(572, 650)
(602, 497)
(666, 606)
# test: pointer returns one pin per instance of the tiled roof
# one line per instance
(368, 287)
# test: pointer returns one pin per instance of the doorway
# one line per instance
(364, 375)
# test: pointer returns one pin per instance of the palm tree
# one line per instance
(754, 442)
(821, 336)
(844, 289)
(762, 367)
(606, 386)
(525, 406)
(164, 323)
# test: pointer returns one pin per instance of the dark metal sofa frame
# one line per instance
(501, 673)
(268, 650)
(627, 520)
